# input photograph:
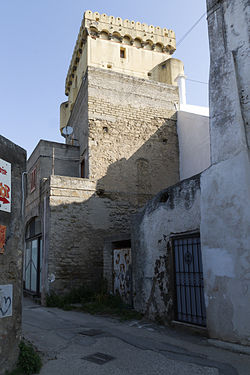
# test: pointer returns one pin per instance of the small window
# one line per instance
(33, 228)
(122, 53)
(83, 169)
(33, 180)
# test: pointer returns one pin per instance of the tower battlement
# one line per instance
(132, 28)
(128, 33)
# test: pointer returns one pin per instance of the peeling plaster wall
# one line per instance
(11, 260)
(225, 186)
(172, 211)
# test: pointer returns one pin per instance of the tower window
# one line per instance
(33, 180)
(122, 53)
(83, 169)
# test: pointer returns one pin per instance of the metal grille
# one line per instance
(99, 358)
(189, 281)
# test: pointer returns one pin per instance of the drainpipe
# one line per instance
(24, 243)
(23, 198)
(181, 82)
(53, 161)
(44, 256)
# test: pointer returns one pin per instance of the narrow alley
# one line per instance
(73, 343)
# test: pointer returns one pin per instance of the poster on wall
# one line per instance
(2, 238)
(5, 186)
(6, 297)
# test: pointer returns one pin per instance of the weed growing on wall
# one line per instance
(29, 360)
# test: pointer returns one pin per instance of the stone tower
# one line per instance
(122, 46)
(117, 105)
(122, 103)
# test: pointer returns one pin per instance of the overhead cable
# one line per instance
(189, 31)
(194, 80)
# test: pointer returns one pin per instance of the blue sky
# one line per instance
(37, 38)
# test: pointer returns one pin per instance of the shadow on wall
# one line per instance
(82, 213)
(154, 166)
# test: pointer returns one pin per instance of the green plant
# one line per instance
(97, 301)
(76, 295)
(29, 360)
(16, 371)
(53, 300)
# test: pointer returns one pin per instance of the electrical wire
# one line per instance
(189, 31)
(194, 80)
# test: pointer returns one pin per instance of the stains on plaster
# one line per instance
(175, 195)
(160, 302)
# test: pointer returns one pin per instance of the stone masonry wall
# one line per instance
(11, 259)
(126, 131)
(48, 158)
(79, 222)
(133, 146)
(79, 119)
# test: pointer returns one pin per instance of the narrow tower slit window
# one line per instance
(122, 53)
(83, 169)
(33, 180)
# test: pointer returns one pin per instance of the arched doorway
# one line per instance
(33, 257)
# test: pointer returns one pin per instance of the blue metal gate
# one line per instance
(33, 266)
(190, 304)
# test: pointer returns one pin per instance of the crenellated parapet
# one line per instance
(130, 33)
(145, 32)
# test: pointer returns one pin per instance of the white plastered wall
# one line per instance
(225, 186)
(194, 142)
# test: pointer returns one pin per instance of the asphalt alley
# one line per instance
(74, 343)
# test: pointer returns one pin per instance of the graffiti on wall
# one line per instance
(6, 297)
(5, 186)
(122, 274)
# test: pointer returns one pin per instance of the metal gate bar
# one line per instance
(189, 281)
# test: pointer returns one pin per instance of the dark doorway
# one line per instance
(33, 258)
(122, 272)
